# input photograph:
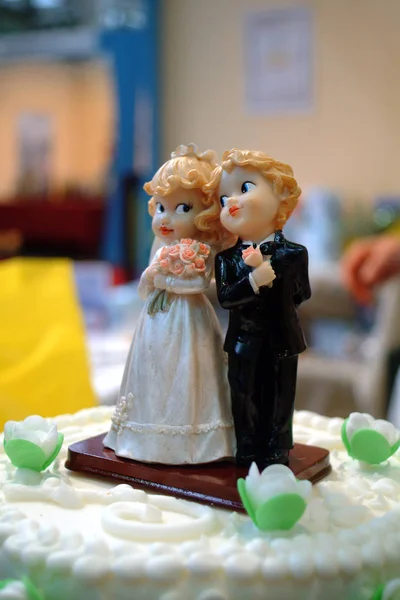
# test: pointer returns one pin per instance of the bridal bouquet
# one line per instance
(186, 260)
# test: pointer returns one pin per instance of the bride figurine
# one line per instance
(174, 404)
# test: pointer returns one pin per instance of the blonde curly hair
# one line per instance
(280, 176)
(190, 169)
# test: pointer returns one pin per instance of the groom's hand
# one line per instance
(264, 274)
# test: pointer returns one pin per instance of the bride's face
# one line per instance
(175, 213)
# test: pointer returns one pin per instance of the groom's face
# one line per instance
(248, 204)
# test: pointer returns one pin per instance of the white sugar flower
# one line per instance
(357, 421)
(41, 432)
(391, 590)
(368, 439)
(274, 499)
(274, 480)
(14, 590)
(33, 443)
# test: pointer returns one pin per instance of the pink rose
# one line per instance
(164, 252)
(204, 249)
(200, 264)
(186, 241)
(190, 269)
(252, 256)
(174, 251)
(164, 265)
(177, 267)
(187, 254)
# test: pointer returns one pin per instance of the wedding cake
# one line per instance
(73, 536)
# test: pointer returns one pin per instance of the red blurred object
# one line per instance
(121, 275)
(76, 224)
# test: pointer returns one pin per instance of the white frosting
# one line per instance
(359, 421)
(70, 532)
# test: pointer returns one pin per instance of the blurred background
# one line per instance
(95, 94)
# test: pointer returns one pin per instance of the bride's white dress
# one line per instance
(174, 405)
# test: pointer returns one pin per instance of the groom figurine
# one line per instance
(261, 280)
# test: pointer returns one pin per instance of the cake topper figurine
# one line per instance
(174, 405)
(261, 280)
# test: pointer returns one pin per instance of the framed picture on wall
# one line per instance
(35, 149)
(279, 60)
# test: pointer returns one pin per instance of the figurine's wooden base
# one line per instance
(213, 483)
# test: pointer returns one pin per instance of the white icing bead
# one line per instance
(203, 563)
(326, 564)
(10, 515)
(172, 596)
(48, 534)
(387, 486)
(258, 547)
(349, 516)
(335, 426)
(320, 422)
(391, 547)
(275, 568)
(130, 568)
(28, 527)
(212, 595)
(303, 542)
(242, 566)
(304, 417)
(336, 500)
(326, 488)
(301, 437)
(130, 550)
(97, 546)
(165, 568)
(161, 549)
(126, 493)
(350, 561)
(91, 569)
(316, 505)
(379, 503)
(228, 548)
(6, 530)
(61, 562)
(372, 554)
(301, 565)
(33, 556)
(281, 546)
(28, 477)
(323, 441)
(193, 547)
(71, 540)
(325, 542)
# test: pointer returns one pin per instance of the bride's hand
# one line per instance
(150, 273)
(160, 281)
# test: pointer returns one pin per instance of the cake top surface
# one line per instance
(90, 527)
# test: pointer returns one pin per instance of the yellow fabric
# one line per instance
(43, 363)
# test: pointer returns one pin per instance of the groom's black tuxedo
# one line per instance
(263, 340)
